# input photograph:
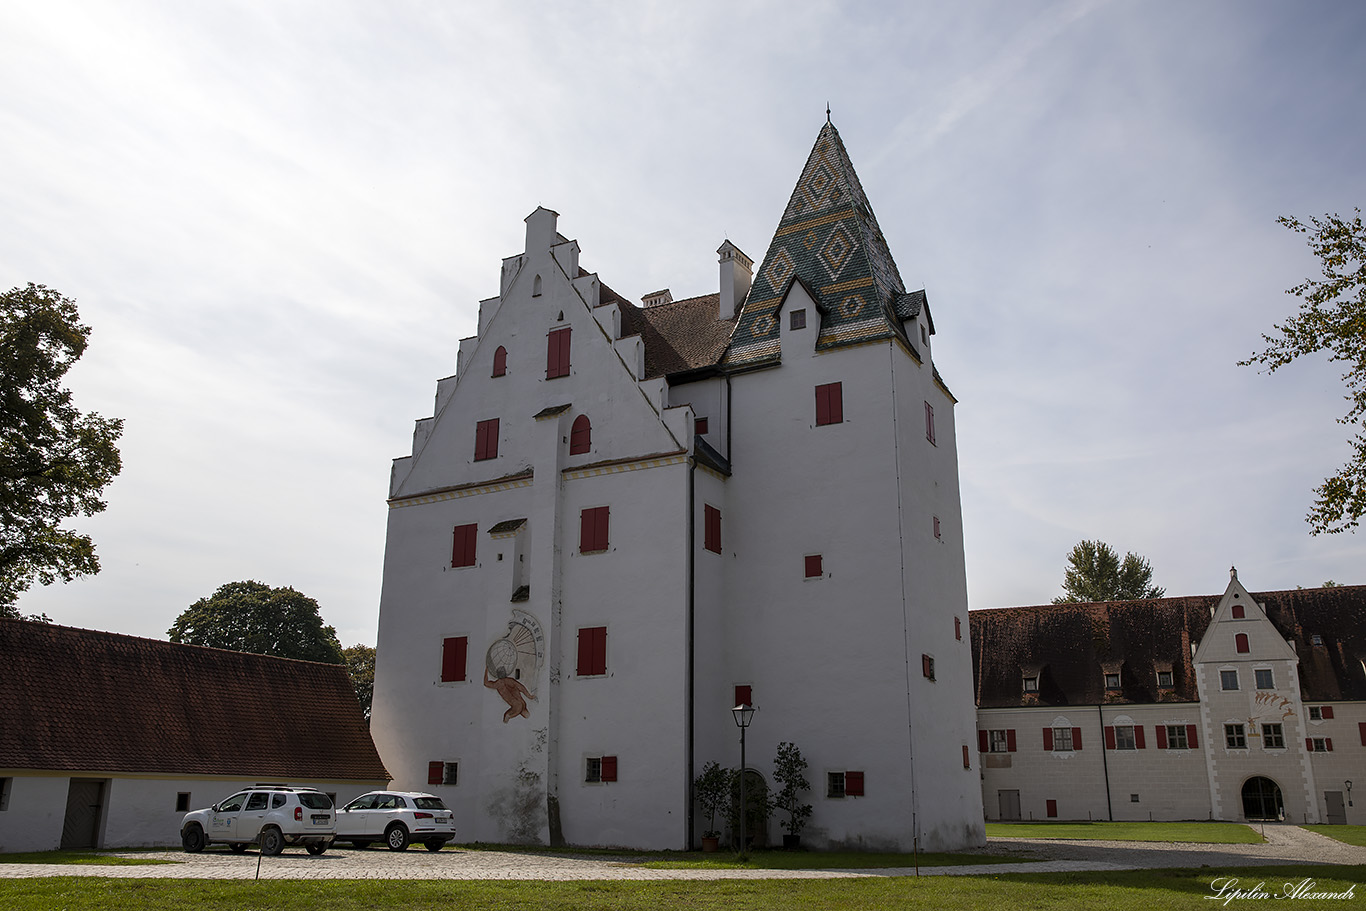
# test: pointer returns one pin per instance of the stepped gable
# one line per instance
(829, 240)
(681, 337)
(1067, 644)
(89, 701)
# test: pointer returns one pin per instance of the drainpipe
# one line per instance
(692, 474)
(1105, 762)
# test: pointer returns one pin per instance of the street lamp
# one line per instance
(1349, 791)
(743, 714)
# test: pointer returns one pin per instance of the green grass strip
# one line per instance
(1348, 835)
(1122, 891)
(79, 857)
(1207, 833)
(819, 860)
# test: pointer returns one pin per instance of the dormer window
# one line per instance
(1112, 681)
(1164, 679)
(1031, 684)
(1316, 639)
(797, 319)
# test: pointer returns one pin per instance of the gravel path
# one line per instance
(1285, 844)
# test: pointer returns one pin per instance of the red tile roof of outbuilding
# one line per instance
(84, 700)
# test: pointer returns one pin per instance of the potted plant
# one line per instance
(711, 790)
(788, 769)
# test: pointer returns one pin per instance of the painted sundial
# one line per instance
(512, 664)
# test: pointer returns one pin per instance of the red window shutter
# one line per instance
(1361, 729)
(1052, 808)
(813, 566)
(463, 545)
(1076, 738)
(585, 652)
(1138, 737)
(699, 427)
(1240, 643)
(1010, 740)
(486, 440)
(984, 740)
(600, 650)
(609, 768)
(593, 529)
(967, 764)
(957, 628)
(1109, 737)
(453, 651)
(822, 405)
(1048, 739)
(929, 422)
(830, 404)
(936, 526)
(1327, 712)
(711, 528)
(500, 361)
(1238, 612)
(1309, 744)
(592, 651)
(853, 784)
(434, 772)
(1328, 743)
(927, 666)
(744, 695)
(836, 403)
(1161, 736)
(557, 353)
(581, 435)
(1192, 740)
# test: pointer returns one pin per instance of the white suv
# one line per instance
(269, 814)
(397, 818)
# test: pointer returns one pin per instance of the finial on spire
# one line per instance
(827, 112)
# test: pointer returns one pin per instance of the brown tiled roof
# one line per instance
(1067, 645)
(680, 336)
(83, 700)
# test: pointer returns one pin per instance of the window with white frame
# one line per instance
(1000, 743)
(1112, 681)
(1164, 679)
(1031, 684)
(1124, 737)
(1228, 680)
(1315, 713)
(1062, 739)
(1235, 736)
(1266, 680)
(1273, 737)
(1176, 737)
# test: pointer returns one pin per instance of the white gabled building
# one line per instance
(621, 520)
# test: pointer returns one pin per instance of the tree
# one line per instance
(1332, 318)
(711, 790)
(253, 617)
(360, 667)
(1095, 573)
(789, 769)
(54, 461)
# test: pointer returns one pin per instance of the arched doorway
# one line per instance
(1262, 799)
(756, 807)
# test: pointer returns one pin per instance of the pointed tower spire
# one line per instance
(829, 240)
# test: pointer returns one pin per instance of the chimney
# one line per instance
(737, 271)
(655, 298)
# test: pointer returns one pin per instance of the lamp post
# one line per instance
(1348, 782)
(743, 714)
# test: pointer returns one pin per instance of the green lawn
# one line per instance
(1121, 891)
(1210, 833)
(817, 860)
(1351, 835)
(77, 857)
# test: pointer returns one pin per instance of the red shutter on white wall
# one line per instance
(1010, 740)
(984, 741)
(1076, 738)
(609, 768)
(1192, 740)
(1138, 736)
(744, 695)
(434, 770)
(1361, 729)
(1327, 711)
(1161, 736)
(1309, 744)
(1052, 808)
(1048, 738)
(453, 651)
(1109, 737)
(853, 784)
(1328, 744)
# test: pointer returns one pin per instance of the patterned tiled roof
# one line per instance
(1066, 645)
(680, 336)
(829, 240)
(82, 700)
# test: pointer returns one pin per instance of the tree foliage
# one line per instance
(1331, 318)
(253, 617)
(789, 771)
(54, 461)
(360, 667)
(1095, 573)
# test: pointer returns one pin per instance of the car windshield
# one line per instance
(315, 801)
(429, 803)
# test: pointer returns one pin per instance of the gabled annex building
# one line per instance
(1238, 707)
(622, 519)
(106, 741)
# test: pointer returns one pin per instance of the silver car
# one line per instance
(397, 818)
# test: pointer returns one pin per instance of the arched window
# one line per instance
(500, 361)
(581, 435)
(536, 287)
(1240, 643)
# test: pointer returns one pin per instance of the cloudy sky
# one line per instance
(278, 217)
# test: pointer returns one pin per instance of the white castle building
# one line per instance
(623, 520)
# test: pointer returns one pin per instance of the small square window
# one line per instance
(1273, 737)
(1238, 612)
(1176, 737)
(594, 769)
(834, 784)
(1235, 736)
(813, 566)
(1228, 680)
(450, 773)
(1133, 798)
(1265, 679)
(1316, 639)
(1062, 740)
(1112, 681)
(182, 802)
(1031, 684)
(1315, 713)
(999, 742)
(1124, 737)
(1164, 679)
(797, 319)
(1320, 744)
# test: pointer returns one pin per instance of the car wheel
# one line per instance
(237, 846)
(436, 844)
(192, 839)
(315, 847)
(396, 837)
(272, 841)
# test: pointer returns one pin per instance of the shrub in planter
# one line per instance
(789, 767)
(711, 790)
